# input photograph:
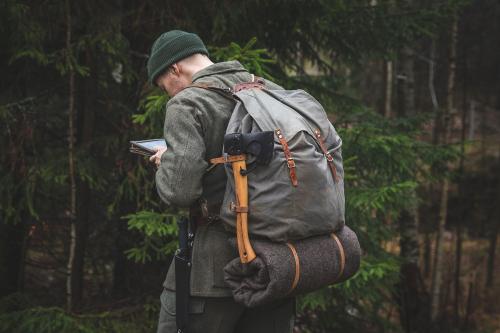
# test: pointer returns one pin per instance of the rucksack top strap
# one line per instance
(328, 156)
(288, 155)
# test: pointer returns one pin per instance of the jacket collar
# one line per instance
(219, 68)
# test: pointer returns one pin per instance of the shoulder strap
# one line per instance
(212, 87)
(257, 82)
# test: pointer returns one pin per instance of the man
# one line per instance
(195, 123)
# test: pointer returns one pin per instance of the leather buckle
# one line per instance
(290, 162)
(237, 209)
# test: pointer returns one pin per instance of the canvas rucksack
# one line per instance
(300, 193)
(284, 196)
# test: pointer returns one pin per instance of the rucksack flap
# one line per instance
(278, 210)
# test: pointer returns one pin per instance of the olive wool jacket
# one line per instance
(195, 124)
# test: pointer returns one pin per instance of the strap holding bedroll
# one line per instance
(297, 267)
(342, 256)
(288, 155)
(327, 154)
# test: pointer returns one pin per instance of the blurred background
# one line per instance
(413, 87)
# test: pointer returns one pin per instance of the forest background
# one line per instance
(413, 87)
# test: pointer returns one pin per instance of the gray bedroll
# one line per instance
(279, 211)
(273, 274)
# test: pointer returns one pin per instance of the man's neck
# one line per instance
(199, 63)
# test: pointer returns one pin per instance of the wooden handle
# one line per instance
(239, 239)
(245, 249)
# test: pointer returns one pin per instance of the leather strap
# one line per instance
(248, 85)
(328, 156)
(257, 83)
(241, 209)
(297, 267)
(288, 155)
(210, 87)
(258, 79)
(228, 159)
(342, 256)
(238, 209)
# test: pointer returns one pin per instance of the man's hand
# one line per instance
(156, 158)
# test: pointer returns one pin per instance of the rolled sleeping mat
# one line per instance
(287, 269)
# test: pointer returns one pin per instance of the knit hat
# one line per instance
(171, 47)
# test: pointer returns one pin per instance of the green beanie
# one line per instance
(171, 47)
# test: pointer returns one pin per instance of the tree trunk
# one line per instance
(120, 268)
(458, 268)
(12, 239)
(427, 254)
(407, 83)
(80, 242)
(388, 80)
(70, 285)
(438, 258)
(490, 269)
(443, 209)
(86, 120)
(459, 227)
(429, 189)
(491, 257)
(411, 287)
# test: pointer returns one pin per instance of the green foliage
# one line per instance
(253, 59)
(157, 230)
(357, 303)
(154, 111)
(385, 160)
(21, 317)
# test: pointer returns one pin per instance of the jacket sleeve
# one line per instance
(179, 177)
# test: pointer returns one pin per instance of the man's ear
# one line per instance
(176, 69)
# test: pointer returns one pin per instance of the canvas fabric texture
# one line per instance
(279, 211)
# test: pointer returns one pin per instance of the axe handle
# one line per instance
(239, 239)
(245, 249)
